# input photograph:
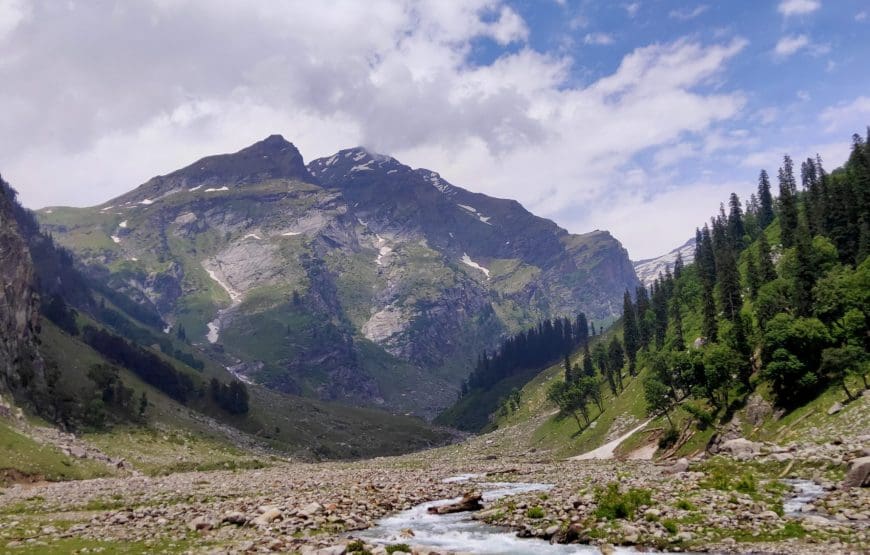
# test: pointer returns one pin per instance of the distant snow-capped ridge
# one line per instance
(648, 270)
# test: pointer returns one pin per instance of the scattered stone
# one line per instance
(859, 473)
(835, 408)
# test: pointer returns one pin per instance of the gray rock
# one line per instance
(741, 447)
(835, 408)
(682, 465)
(859, 473)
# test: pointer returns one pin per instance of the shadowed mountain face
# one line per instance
(355, 278)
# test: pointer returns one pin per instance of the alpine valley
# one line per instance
(353, 278)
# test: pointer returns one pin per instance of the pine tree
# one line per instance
(677, 320)
(569, 374)
(736, 228)
(643, 329)
(766, 269)
(588, 367)
(765, 201)
(630, 334)
(729, 282)
(616, 360)
(752, 279)
(788, 217)
(706, 262)
(679, 265)
(805, 275)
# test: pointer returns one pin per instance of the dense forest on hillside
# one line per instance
(778, 298)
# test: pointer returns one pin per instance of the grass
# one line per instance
(535, 512)
(22, 457)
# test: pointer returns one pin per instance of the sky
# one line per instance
(638, 117)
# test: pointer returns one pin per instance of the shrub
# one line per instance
(398, 547)
(613, 504)
(685, 505)
(670, 526)
(535, 512)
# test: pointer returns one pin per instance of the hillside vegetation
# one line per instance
(765, 331)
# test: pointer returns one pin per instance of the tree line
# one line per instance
(529, 349)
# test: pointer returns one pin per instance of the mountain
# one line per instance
(648, 270)
(86, 358)
(353, 278)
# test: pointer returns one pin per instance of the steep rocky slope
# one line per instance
(20, 363)
(355, 278)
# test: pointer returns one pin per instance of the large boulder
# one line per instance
(469, 502)
(741, 448)
(859, 473)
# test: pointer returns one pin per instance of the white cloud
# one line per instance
(855, 113)
(685, 14)
(798, 7)
(861, 16)
(833, 155)
(632, 8)
(673, 213)
(598, 39)
(786, 46)
(12, 14)
(154, 88)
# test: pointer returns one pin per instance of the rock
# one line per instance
(678, 467)
(685, 536)
(77, 452)
(200, 523)
(311, 509)
(269, 515)
(235, 517)
(469, 502)
(630, 534)
(551, 531)
(859, 473)
(741, 448)
(835, 408)
(333, 550)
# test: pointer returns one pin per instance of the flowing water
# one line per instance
(805, 491)
(458, 532)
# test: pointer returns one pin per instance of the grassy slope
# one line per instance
(287, 424)
(24, 456)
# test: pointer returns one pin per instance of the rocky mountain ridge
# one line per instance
(354, 278)
(648, 270)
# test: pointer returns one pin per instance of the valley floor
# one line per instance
(721, 503)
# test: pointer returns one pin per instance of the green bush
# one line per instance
(746, 484)
(535, 512)
(398, 547)
(685, 505)
(670, 526)
(613, 504)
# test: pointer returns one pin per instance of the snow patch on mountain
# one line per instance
(469, 262)
(474, 212)
(648, 270)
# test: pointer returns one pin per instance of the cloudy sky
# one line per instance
(637, 117)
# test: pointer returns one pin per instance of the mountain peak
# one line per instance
(353, 163)
(272, 158)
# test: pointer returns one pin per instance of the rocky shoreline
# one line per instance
(728, 503)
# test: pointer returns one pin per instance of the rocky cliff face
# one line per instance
(20, 364)
(354, 278)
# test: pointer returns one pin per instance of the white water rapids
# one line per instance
(458, 532)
